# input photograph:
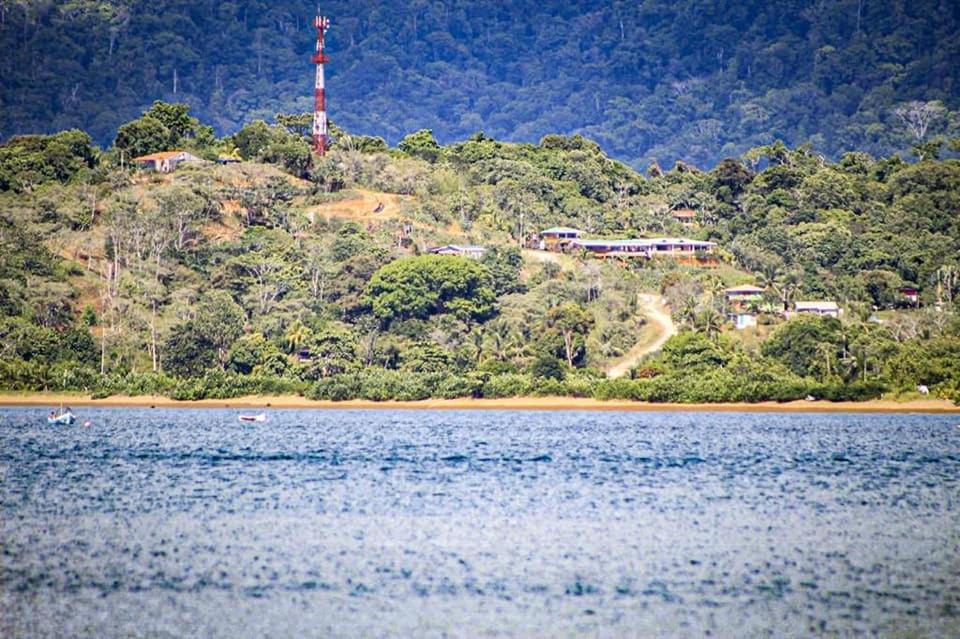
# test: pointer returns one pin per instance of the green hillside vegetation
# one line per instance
(276, 275)
(694, 80)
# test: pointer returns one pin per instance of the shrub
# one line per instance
(853, 392)
(339, 388)
(507, 385)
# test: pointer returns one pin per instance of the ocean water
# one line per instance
(186, 523)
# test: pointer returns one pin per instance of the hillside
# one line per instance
(296, 274)
(693, 80)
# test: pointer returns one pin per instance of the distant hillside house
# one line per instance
(684, 251)
(743, 293)
(474, 252)
(823, 309)
(693, 252)
(228, 159)
(687, 217)
(166, 161)
(910, 295)
(742, 304)
(613, 248)
(557, 238)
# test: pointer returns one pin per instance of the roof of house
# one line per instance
(600, 243)
(746, 288)
(685, 213)
(816, 306)
(162, 155)
(459, 248)
(644, 242)
(560, 229)
(681, 241)
(167, 155)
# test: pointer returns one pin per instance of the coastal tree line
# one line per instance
(223, 280)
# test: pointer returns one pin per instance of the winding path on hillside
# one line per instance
(658, 330)
(366, 206)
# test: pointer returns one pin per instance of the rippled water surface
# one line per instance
(416, 523)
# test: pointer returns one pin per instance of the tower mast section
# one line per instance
(320, 58)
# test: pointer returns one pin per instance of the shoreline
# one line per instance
(931, 406)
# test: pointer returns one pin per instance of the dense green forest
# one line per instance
(289, 273)
(691, 80)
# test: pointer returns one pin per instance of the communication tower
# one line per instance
(320, 58)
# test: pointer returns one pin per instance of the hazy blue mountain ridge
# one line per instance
(690, 80)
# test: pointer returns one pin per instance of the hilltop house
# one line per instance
(557, 238)
(823, 309)
(910, 296)
(166, 161)
(742, 304)
(473, 252)
(683, 250)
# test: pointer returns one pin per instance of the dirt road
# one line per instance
(658, 330)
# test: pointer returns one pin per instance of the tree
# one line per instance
(430, 284)
(253, 138)
(176, 119)
(799, 345)
(709, 322)
(219, 322)
(187, 352)
(421, 144)
(298, 124)
(181, 209)
(142, 136)
(254, 352)
(546, 366)
(295, 336)
(334, 350)
(573, 322)
(693, 352)
(917, 116)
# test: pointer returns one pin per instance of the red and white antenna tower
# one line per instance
(320, 58)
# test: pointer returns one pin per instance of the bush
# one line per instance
(134, 384)
(507, 385)
(547, 367)
(853, 392)
(219, 384)
(381, 385)
(452, 387)
(616, 389)
(338, 389)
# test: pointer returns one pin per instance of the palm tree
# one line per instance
(783, 284)
(476, 339)
(296, 335)
(498, 338)
(826, 351)
(709, 322)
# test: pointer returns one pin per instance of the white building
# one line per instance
(474, 252)
(823, 309)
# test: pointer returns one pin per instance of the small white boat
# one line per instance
(63, 419)
(262, 417)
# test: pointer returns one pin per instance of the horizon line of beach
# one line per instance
(934, 406)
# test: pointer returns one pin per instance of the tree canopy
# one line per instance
(689, 80)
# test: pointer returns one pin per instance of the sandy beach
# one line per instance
(513, 403)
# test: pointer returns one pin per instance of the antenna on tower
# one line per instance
(320, 58)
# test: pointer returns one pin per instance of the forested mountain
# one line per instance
(694, 80)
